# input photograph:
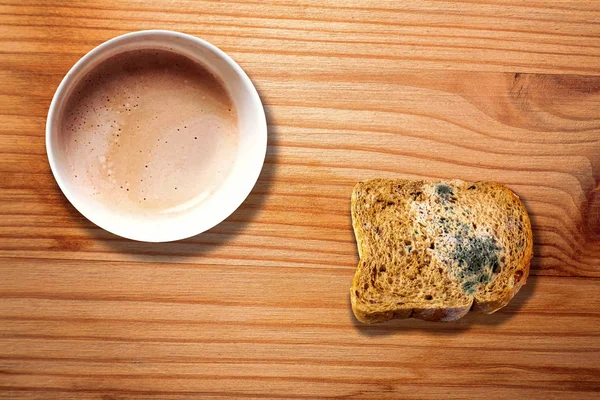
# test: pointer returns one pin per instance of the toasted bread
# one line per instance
(436, 249)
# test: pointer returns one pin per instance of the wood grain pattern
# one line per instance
(258, 306)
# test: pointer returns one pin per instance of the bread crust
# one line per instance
(374, 313)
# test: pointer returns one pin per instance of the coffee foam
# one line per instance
(149, 133)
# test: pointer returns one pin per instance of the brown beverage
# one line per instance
(149, 132)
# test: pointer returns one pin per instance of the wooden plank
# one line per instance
(488, 36)
(206, 341)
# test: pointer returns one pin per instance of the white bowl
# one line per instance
(250, 153)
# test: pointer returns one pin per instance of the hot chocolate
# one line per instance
(149, 132)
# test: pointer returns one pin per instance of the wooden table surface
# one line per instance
(258, 307)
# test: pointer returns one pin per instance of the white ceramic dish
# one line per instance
(235, 187)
